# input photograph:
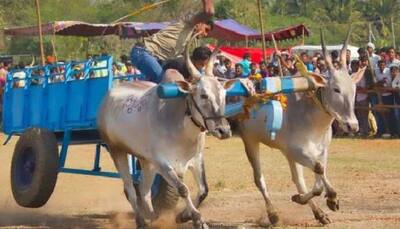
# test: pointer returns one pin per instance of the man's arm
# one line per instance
(208, 7)
(206, 14)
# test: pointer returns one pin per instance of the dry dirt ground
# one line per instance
(366, 174)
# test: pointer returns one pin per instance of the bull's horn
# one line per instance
(327, 56)
(210, 64)
(33, 61)
(344, 49)
(192, 69)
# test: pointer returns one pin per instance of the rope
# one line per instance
(258, 99)
(143, 9)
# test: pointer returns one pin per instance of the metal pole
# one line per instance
(393, 36)
(262, 29)
(39, 21)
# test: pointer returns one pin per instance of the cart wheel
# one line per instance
(34, 167)
(164, 196)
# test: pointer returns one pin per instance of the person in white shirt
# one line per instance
(392, 60)
(384, 80)
(383, 77)
(395, 75)
(373, 58)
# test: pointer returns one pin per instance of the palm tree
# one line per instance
(381, 12)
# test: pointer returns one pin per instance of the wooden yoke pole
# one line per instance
(39, 21)
(262, 29)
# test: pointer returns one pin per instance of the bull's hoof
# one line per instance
(204, 226)
(333, 204)
(298, 199)
(273, 218)
(322, 217)
(183, 217)
(140, 223)
(199, 224)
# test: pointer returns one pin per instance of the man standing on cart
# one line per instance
(170, 42)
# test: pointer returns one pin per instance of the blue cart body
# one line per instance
(66, 107)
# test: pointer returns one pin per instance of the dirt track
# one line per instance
(366, 174)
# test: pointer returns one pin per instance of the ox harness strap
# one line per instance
(317, 97)
(189, 112)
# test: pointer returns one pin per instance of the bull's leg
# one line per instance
(172, 178)
(308, 158)
(121, 164)
(298, 179)
(252, 149)
(199, 173)
(332, 201)
(196, 166)
(304, 198)
(315, 160)
(148, 174)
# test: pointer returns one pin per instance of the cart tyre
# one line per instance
(34, 168)
(166, 198)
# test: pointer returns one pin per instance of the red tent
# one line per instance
(236, 53)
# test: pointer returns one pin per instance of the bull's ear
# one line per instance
(183, 86)
(317, 79)
(229, 83)
(356, 77)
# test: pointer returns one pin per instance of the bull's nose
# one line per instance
(352, 127)
(224, 132)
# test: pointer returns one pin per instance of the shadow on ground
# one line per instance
(111, 220)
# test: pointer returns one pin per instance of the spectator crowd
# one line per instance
(377, 93)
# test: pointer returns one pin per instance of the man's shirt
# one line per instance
(384, 76)
(170, 42)
(246, 66)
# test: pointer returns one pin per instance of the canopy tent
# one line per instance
(235, 54)
(141, 29)
(312, 49)
(231, 30)
(227, 29)
(286, 33)
(65, 28)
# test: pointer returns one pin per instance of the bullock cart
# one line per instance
(50, 110)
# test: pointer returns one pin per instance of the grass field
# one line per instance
(366, 174)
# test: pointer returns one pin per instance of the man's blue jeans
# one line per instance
(147, 64)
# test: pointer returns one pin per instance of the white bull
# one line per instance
(164, 134)
(306, 135)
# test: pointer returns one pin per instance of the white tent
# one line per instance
(312, 49)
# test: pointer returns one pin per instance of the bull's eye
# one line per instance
(337, 90)
(204, 96)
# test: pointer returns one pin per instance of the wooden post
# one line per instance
(393, 36)
(53, 44)
(262, 29)
(279, 60)
(39, 21)
(369, 33)
(303, 36)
